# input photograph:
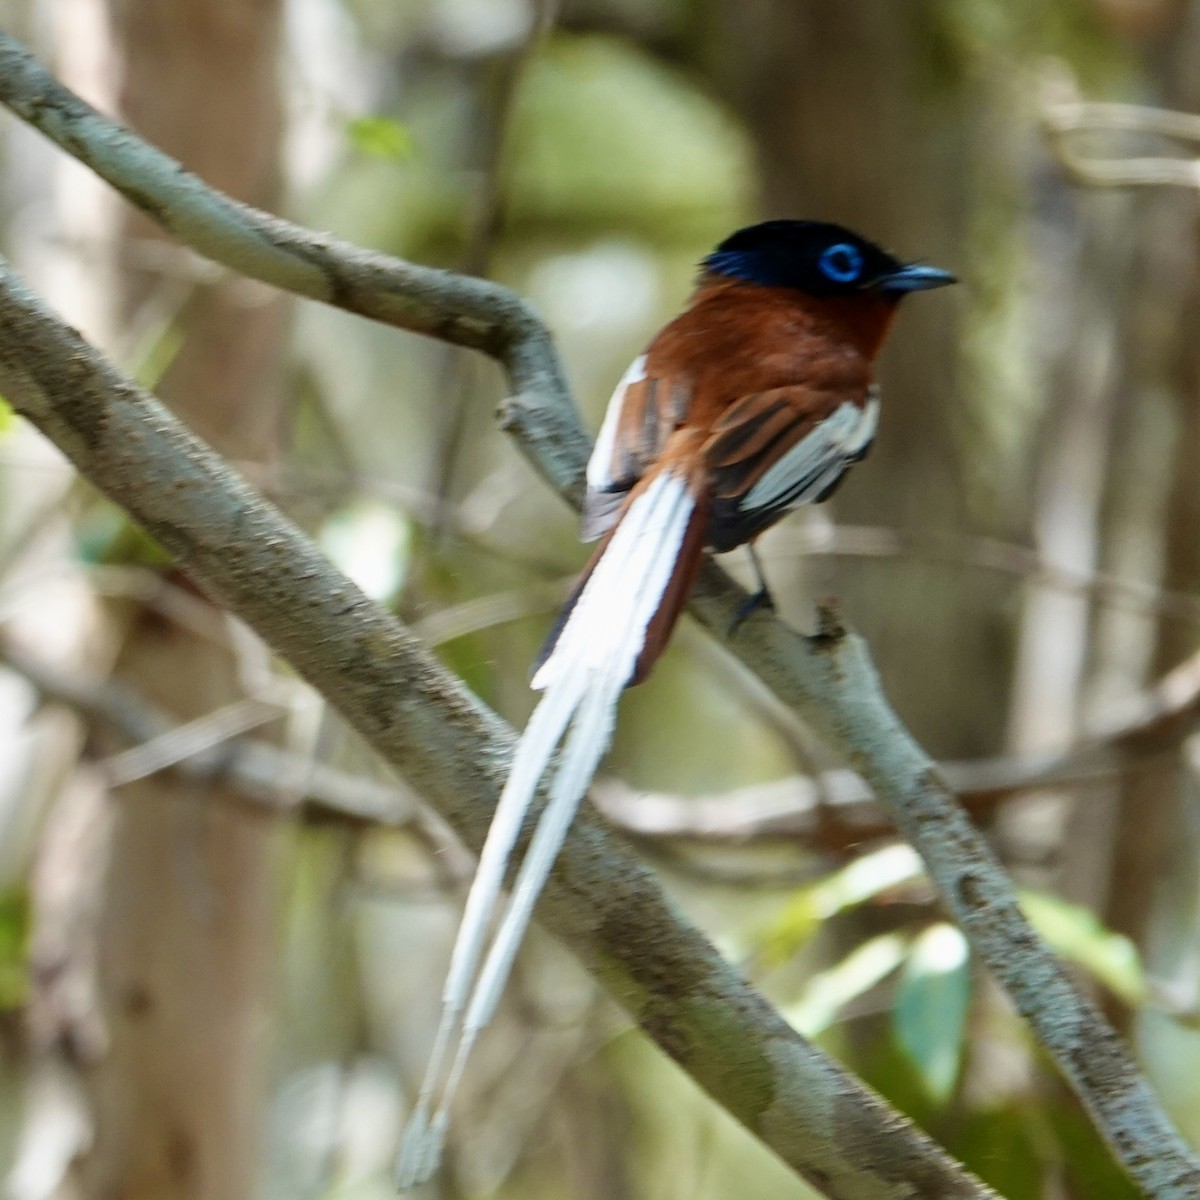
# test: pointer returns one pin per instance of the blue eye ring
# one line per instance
(842, 263)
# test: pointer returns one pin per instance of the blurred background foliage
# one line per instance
(1022, 550)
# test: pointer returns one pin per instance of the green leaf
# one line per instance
(14, 948)
(929, 1013)
(1078, 935)
(827, 992)
(854, 884)
(381, 137)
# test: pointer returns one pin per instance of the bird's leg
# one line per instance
(761, 598)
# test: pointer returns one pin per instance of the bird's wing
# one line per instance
(773, 450)
(645, 409)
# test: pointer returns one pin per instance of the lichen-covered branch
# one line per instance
(603, 903)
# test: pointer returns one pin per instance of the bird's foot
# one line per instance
(762, 599)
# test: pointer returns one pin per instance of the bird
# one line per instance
(756, 399)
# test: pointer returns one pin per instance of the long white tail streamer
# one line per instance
(583, 678)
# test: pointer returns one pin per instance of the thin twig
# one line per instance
(1064, 117)
(265, 773)
(187, 740)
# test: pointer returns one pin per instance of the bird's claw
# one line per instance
(761, 599)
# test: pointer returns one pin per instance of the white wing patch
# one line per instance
(868, 424)
(815, 462)
(600, 465)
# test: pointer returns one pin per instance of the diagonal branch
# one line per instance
(454, 750)
(830, 682)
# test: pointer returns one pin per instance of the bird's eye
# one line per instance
(842, 263)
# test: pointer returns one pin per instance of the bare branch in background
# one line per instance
(992, 554)
(839, 811)
(454, 751)
(1065, 117)
(834, 813)
(264, 772)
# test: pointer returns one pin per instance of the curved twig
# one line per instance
(1064, 116)
(453, 308)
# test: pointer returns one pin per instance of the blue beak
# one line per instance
(916, 277)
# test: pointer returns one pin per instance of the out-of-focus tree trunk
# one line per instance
(1057, 658)
(188, 912)
(1161, 395)
(1115, 845)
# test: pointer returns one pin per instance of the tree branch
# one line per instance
(454, 750)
